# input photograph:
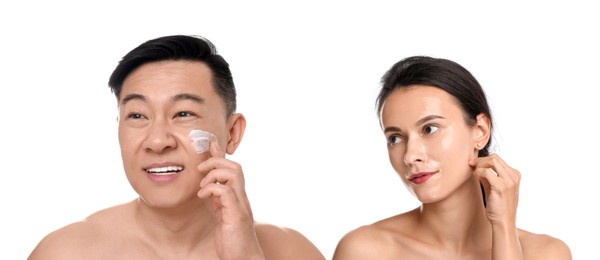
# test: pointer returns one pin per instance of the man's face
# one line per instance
(159, 104)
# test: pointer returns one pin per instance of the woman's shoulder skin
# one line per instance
(542, 246)
(380, 240)
(285, 243)
(393, 237)
(364, 242)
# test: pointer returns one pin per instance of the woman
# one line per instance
(438, 125)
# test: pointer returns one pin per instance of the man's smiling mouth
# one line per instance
(165, 170)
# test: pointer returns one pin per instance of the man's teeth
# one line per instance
(165, 170)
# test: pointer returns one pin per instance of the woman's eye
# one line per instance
(394, 139)
(430, 129)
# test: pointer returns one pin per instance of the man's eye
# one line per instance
(183, 114)
(135, 116)
(430, 129)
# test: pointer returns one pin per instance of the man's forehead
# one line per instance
(187, 76)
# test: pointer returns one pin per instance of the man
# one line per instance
(191, 205)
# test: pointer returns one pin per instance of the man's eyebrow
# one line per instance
(130, 97)
(188, 96)
(178, 97)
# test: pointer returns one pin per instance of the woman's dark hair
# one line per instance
(178, 47)
(441, 73)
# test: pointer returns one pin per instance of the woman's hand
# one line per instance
(501, 191)
(501, 186)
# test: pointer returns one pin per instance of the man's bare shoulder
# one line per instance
(285, 243)
(80, 239)
(542, 246)
(68, 242)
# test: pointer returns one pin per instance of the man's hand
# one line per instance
(235, 237)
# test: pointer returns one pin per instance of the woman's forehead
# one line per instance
(412, 103)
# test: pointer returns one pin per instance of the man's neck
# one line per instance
(184, 228)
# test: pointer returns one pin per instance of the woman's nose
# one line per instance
(415, 152)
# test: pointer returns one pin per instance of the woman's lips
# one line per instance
(420, 178)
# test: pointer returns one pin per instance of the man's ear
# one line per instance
(237, 125)
(482, 131)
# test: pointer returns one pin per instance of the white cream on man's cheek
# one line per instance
(201, 140)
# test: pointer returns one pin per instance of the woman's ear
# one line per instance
(482, 131)
(237, 125)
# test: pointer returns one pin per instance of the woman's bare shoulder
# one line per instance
(370, 241)
(363, 242)
(285, 243)
(542, 246)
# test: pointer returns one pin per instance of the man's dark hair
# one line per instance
(175, 48)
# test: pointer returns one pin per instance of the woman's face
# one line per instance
(429, 142)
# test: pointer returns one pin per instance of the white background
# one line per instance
(307, 76)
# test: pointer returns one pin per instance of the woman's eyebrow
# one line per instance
(426, 119)
(418, 123)
(392, 129)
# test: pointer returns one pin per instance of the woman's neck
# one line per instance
(459, 221)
